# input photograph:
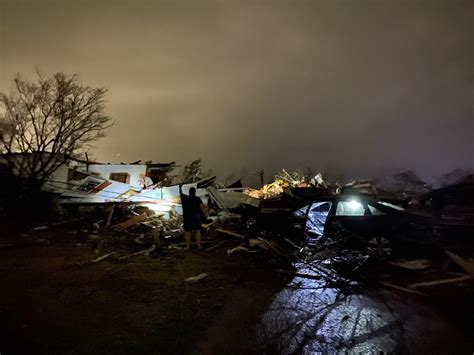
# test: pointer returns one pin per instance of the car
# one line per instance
(377, 227)
(275, 214)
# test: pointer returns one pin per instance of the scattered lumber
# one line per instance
(146, 252)
(439, 282)
(130, 222)
(224, 231)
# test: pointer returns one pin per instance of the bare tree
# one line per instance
(44, 123)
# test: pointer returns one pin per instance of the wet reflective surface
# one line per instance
(310, 316)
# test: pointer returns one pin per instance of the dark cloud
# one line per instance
(359, 88)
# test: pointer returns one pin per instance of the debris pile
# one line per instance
(284, 180)
(337, 232)
(273, 189)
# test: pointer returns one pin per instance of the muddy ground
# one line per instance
(50, 304)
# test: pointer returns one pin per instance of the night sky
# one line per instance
(360, 88)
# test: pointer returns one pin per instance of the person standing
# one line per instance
(194, 215)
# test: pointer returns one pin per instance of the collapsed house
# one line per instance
(275, 205)
(78, 181)
(348, 232)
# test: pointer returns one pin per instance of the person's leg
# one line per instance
(198, 238)
(187, 237)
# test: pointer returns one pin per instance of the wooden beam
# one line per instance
(400, 288)
(224, 231)
(467, 266)
(440, 282)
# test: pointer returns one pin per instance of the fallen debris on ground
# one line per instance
(440, 282)
(467, 266)
(196, 278)
(418, 264)
(236, 249)
(95, 261)
(145, 252)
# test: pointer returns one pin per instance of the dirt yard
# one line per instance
(49, 304)
(53, 303)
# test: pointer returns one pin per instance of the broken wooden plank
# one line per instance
(146, 252)
(400, 288)
(440, 282)
(255, 242)
(196, 278)
(94, 261)
(216, 246)
(455, 273)
(68, 221)
(236, 249)
(467, 266)
(225, 231)
(109, 217)
(130, 222)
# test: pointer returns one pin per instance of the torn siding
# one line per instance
(97, 189)
(135, 174)
(78, 182)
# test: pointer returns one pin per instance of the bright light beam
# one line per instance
(355, 205)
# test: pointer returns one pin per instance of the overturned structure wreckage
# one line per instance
(307, 220)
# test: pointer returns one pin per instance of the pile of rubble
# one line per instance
(338, 266)
(283, 180)
(150, 226)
